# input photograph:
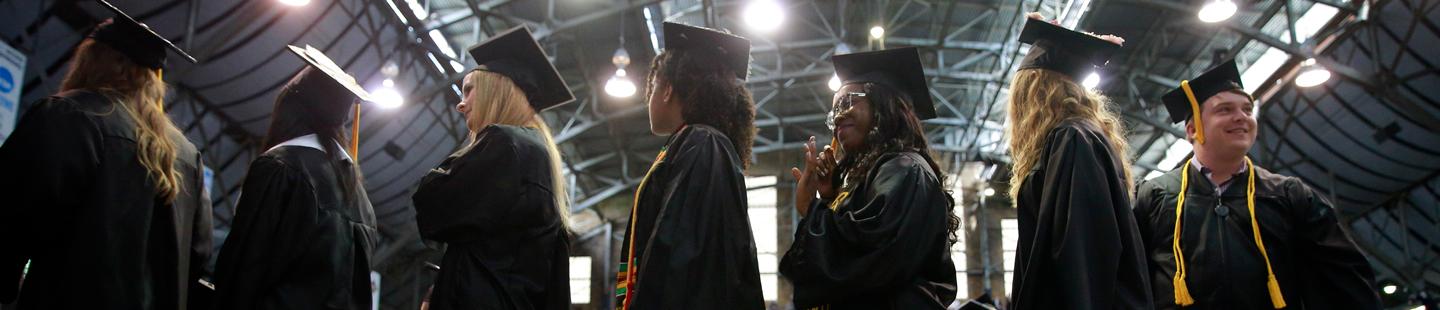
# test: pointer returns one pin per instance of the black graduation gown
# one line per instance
(1079, 246)
(886, 246)
(494, 208)
(197, 218)
(1316, 263)
(691, 229)
(83, 210)
(299, 240)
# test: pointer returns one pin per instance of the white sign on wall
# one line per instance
(12, 75)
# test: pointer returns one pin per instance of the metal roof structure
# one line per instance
(1368, 139)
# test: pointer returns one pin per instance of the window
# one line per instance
(1010, 238)
(763, 225)
(579, 280)
(957, 250)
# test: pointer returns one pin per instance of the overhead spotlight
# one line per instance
(387, 97)
(1091, 80)
(295, 2)
(877, 32)
(1217, 11)
(989, 192)
(619, 85)
(764, 16)
(834, 83)
(1311, 74)
(1389, 289)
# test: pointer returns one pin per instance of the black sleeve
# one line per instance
(277, 205)
(1079, 243)
(869, 243)
(1336, 276)
(701, 253)
(201, 240)
(53, 151)
(471, 192)
(1146, 202)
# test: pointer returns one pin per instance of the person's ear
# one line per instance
(1189, 130)
(667, 94)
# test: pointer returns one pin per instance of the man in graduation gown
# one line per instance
(1248, 238)
(689, 244)
(1078, 247)
(304, 229)
(882, 239)
(81, 209)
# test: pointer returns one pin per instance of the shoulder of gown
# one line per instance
(474, 190)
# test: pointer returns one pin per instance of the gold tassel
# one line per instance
(1195, 110)
(355, 136)
(1182, 292)
(1276, 298)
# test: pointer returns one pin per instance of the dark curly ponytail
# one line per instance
(709, 94)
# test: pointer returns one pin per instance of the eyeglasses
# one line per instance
(842, 105)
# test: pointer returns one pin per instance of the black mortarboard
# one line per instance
(898, 69)
(134, 39)
(516, 55)
(729, 49)
(1066, 51)
(317, 59)
(1219, 79)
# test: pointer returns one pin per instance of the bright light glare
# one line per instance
(1260, 70)
(387, 97)
(1312, 74)
(834, 83)
(619, 85)
(1217, 11)
(877, 32)
(1390, 289)
(295, 2)
(1091, 81)
(764, 16)
(989, 192)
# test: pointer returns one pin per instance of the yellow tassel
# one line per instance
(1195, 110)
(1276, 298)
(1182, 293)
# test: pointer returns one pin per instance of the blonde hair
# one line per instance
(140, 92)
(503, 103)
(1041, 99)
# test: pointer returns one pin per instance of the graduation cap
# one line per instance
(1184, 101)
(316, 58)
(346, 85)
(134, 39)
(898, 69)
(729, 49)
(516, 55)
(1066, 51)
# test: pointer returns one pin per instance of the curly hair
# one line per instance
(139, 92)
(1039, 100)
(709, 94)
(895, 128)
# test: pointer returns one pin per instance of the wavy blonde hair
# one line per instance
(1041, 99)
(139, 92)
(503, 103)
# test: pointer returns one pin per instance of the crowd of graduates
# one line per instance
(105, 209)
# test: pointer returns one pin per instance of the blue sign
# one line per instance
(12, 75)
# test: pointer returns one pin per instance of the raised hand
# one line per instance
(815, 178)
